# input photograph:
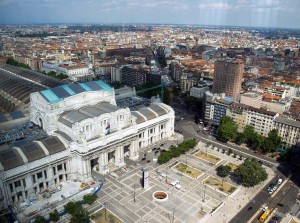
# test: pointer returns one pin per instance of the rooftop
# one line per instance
(54, 95)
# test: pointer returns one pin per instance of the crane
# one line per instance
(161, 86)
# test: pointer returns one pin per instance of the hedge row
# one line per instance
(175, 151)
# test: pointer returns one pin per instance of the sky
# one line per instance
(256, 13)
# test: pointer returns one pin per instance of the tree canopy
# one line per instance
(54, 216)
(72, 207)
(227, 130)
(272, 142)
(89, 198)
(223, 171)
(13, 62)
(80, 216)
(39, 219)
(251, 173)
(175, 151)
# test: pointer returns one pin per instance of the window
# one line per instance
(45, 174)
(39, 175)
(88, 128)
(54, 171)
(65, 166)
(18, 184)
(59, 167)
(33, 179)
(24, 183)
(11, 188)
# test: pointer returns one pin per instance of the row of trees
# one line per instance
(75, 209)
(228, 131)
(249, 173)
(13, 62)
(60, 76)
(176, 151)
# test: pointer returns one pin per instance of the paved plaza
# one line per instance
(193, 202)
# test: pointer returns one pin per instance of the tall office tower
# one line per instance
(228, 78)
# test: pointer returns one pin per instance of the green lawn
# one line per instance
(208, 157)
(99, 217)
(188, 170)
(232, 165)
(217, 183)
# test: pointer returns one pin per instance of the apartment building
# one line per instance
(228, 78)
(261, 119)
(251, 99)
(288, 130)
(199, 90)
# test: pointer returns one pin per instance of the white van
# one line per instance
(279, 181)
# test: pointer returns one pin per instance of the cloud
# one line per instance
(215, 5)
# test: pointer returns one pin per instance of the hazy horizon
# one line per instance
(252, 13)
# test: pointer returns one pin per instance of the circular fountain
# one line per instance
(160, 196)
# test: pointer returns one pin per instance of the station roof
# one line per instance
(26, 152)
(54, 95)
(71, 117)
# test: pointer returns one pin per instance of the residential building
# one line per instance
(133, 76)
(288, 130)
(199, 90)
(252, 99)
(228, 78)
(187, 81)
(116, 74)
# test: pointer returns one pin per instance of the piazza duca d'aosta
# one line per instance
(89, 126)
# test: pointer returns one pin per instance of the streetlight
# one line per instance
(204, 193)
(105, 205)
(133, 192)
(171, 216)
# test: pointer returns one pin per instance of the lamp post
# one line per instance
(133, 192)
(204, 193)
(105, 205)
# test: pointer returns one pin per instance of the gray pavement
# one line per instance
(194, 202)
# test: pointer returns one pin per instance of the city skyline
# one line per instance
(268, 13)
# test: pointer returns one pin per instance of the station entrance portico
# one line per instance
(112, 158)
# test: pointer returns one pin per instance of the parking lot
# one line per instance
(190, 200)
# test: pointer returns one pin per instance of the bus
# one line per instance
(264, 216)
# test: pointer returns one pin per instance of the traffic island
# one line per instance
(207, 157)
(217, 184)
(187, 170)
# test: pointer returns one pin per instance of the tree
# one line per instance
(272, 142)
(257, 141)
(240, 138)
(89, 198)
(251, 173)
(39, 219)
(223, 171)
(227, 130)
(54, 216)
(80, 216)
(13, 62)
(72, 207)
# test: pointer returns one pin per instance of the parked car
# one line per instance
(279, 181)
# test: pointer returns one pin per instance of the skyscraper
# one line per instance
(228, 78)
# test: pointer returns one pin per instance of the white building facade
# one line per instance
(87, 132)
